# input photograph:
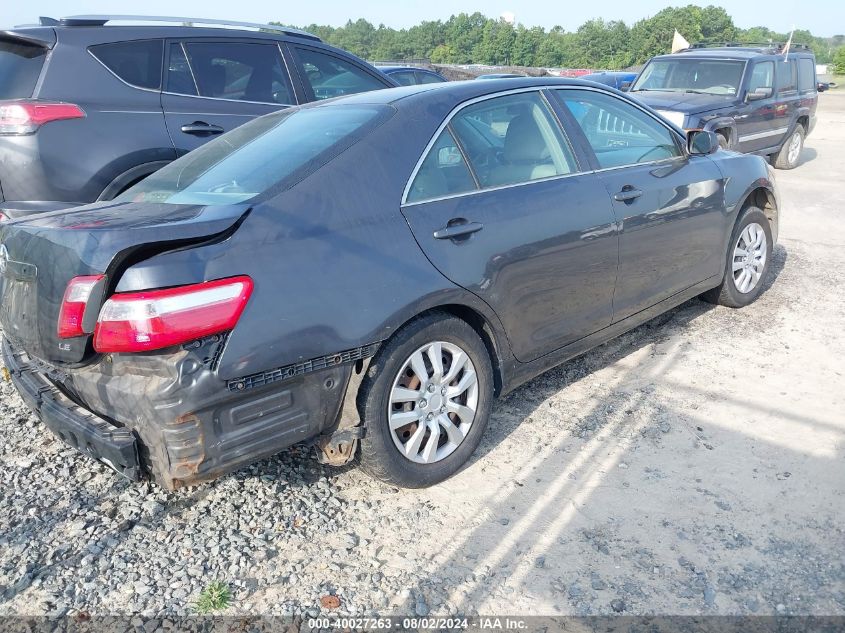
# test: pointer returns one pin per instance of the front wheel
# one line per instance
(748, 256)
(425, 402)
(790, 152)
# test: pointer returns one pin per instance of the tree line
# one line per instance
(477, 39)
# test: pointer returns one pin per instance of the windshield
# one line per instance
(705, 76)
(251, 159)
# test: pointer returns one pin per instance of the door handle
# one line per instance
(627, 194)
(457, 228)
(201, 128)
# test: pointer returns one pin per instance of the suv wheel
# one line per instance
(790, 152)
(425, 402)
(748, 256)
(724, 142)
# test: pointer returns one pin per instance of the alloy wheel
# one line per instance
(749, 257)
(794, 148)
(433, 402)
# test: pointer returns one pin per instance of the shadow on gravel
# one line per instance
(522, 403)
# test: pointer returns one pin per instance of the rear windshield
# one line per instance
(281, 147)
(20, 66)
(705, 76)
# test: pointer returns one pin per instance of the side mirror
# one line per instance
(449, 157)
(759, 93)
(625, 86)
(702, 143)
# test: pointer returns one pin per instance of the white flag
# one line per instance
(679, 43)
(788, 44)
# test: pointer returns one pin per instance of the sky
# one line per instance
(821, 17)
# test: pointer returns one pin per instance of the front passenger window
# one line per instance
(762, 77)
(330, 76)
(619, 133)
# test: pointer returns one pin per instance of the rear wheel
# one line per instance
(748, 256)
(790, 153)
(425, 402)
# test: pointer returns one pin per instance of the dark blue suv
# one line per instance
(90, 105)
(758, 99)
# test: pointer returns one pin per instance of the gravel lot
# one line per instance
(693, 466)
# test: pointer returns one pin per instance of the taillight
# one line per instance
(154, 319)
(72, 312)
(25, 117)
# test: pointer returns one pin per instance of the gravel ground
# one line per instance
(692, 466)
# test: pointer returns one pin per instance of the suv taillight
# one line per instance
(25, 117)
(155, 319)
(72, 312)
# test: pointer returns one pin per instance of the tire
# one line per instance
(419, 463)
(790, 152)
(724, 143)
(733, 292)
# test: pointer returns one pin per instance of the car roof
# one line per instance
(729, 52)
(393, 69)
(167, 25)
(457, 91)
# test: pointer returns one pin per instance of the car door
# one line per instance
(757, 122)
(502, 207)
(325, 74)
(213, 86)
(669, 204)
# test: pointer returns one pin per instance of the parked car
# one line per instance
(823, 86)
(499, 76)
(621, 80)
(412, 75)
(89, 107)
(756, 99)
(308, 277)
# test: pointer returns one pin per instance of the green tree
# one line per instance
(839, 61)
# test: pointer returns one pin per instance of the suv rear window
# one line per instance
(138, 63)
(20, 66)
(253, 158)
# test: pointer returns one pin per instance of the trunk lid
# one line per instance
(41, 254)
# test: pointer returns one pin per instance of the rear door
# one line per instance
(502, 207)
(670, 205)
(212, 86)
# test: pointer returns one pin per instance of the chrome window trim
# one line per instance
(119, 78)
(447, 121)
(675, 134)
(190, 70)
(496, 188)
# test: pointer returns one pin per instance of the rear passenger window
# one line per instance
(403, 78)
(239, 71)
(513, 139)
(179, 77)
(787, 76)
(331, 76)
(138, 63)
(806, 75)
(428, 78)
(443, 172)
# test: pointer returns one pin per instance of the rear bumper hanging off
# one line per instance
(88, 433)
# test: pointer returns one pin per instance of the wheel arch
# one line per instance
(764, 199)
(130, 177)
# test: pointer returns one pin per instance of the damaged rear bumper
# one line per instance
(88, 433)
(169, 415)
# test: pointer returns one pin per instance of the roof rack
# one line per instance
(102, 20)
(752, 46)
